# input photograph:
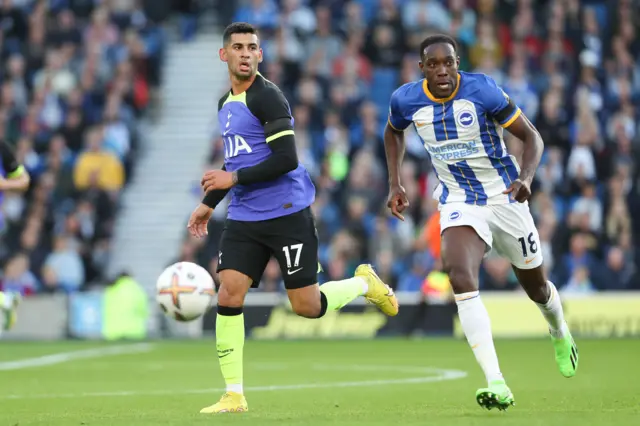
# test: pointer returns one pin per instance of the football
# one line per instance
(185, 291)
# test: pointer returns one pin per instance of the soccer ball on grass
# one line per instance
(185, 291)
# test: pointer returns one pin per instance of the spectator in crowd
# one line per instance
(63, 268)
(75, 80)
(98, 166)
(18, 277)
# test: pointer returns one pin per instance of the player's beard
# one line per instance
(244, 76)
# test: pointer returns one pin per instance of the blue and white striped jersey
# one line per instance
(463, 136)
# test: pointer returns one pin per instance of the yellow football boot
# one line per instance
(379, 293)
(231, 402)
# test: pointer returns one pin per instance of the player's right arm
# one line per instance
(17, 176)
(200, 217)
(394, 147)
(212, 198)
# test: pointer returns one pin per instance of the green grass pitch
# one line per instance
(378, 382)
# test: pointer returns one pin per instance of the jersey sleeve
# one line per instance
(273, 111)
(498, 104)
(9, 162)
(214, 197)
(222, 100)
(397, 119)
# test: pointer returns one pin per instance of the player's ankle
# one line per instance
(560, 332)
(366, 285)
(235, 388)
(495, 379)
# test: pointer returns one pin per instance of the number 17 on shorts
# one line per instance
(293, 252)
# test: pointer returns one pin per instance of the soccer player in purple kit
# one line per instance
(269, 213)
(13, 177)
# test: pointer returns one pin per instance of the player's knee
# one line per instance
(462, 279)
(233, 288)
(231, 295)
(308, 301)
(307, 308)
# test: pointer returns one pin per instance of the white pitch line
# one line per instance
(61, 357)
(441, 375)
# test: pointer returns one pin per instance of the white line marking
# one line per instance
(439, 375)
(270, 366)
(367, 367)
(61, 357)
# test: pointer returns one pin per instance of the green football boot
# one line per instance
(496, 395)
(566, 354)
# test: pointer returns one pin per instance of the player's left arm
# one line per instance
(524, 130)
(272, 109)
(510, 117)
(17, 178)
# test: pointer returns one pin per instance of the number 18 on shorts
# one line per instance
(507, 228)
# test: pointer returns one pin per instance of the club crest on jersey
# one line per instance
(465, 119)
(454, 216)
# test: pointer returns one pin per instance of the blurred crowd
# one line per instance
(76, 78)
(570, 65)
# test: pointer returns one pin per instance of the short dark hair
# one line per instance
(436, 39)
(238, 28)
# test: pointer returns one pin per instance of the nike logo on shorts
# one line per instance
(293, 272)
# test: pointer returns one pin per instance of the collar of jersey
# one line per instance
(440, 100)
(240, 97)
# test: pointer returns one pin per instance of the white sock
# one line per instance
(364, 284)
(361, 282)
(476, 325)
(237, 388)
(552, 312)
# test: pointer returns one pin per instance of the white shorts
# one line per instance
(507, 228)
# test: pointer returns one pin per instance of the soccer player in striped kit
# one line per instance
(482, 194)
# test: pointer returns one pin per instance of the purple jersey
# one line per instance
(248, 122)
